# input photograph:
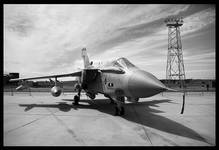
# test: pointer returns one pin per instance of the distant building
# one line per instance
(13, 75)
(201, 84)
(9, 76)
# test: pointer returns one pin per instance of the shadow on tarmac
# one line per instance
(140, 113)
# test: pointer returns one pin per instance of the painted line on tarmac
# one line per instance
(142, 126)
(73, 134)
(24, 125)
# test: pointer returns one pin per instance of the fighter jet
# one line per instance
(118, 80)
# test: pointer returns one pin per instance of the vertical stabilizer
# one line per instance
(85, 58)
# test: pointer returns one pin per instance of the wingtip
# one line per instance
(13, 80)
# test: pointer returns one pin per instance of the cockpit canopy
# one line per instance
(122, 63)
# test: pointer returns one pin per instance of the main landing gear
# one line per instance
(76, 100)
(119, 109)
(91, 95)
(77, 97)
(111, 101)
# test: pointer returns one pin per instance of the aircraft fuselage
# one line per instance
(134, 83)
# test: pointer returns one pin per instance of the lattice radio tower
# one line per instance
(175, 66)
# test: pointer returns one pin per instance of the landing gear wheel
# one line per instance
(116, 111)
(119, 112)
(76, 100)
(122, 112)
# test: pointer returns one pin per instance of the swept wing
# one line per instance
(75, 74)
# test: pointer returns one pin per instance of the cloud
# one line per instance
(201, 58)
(48, 38)
(198, 20)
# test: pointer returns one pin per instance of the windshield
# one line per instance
(123, 63)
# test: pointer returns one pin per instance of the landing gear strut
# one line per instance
(91, 95)
(111, 101)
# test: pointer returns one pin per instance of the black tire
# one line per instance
(116, 111)
(76, 99)
(122, 112)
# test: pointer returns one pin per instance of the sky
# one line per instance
(47, 39)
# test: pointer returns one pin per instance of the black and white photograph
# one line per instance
(109, 75)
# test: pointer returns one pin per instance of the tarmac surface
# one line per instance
(44, 120)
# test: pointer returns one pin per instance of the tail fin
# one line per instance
(85, 58)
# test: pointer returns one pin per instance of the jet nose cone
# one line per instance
(144, 84)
